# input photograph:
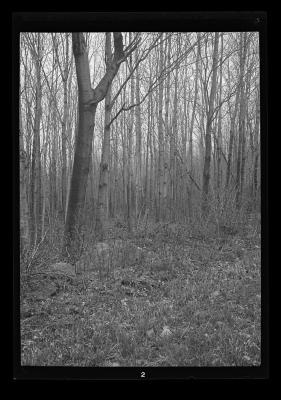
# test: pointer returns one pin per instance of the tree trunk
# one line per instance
(184, 130)
(36, 161)
(219, 135)
(256, 153)
(64, 131)
(168, 132)
(153, 166)
(231, 137)
(124, 162)
(255, 179)
(138, 144)
(192, 121)
(241, 138)
(173, 138)
(53, 194)
(148, 164)
(24, 212)
(102, 214)
(88, 100)
(160, 210)
(130, 210)
(83, 149)
(208, 136)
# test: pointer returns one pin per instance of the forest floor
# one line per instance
(198, 305)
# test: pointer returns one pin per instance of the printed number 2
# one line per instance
(142, 374)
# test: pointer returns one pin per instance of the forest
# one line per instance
(140, 216)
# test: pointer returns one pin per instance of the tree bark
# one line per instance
(88, 100)
(83, 149)
(208, 136)
(102, 208)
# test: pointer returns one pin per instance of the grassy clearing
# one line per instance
(196, 304)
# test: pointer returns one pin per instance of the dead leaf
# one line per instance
(166, 332)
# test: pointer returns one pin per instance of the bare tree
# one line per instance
(241, 138)
(219, 130)
(24, 212)
(182, 103)
(208, 137)
(160, 210)
(102, 209)
(64, 67)
(35, 43)
(88, 101)
(138, 172)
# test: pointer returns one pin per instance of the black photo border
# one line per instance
(145, 21)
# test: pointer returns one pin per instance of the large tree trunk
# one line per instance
(102, 205)
(88, 100)
(208, 136)
(83, 148)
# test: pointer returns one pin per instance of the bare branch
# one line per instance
(57, 55)
(144, 55)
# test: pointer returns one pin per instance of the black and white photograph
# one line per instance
(140, 199)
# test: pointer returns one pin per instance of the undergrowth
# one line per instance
(195, 301)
